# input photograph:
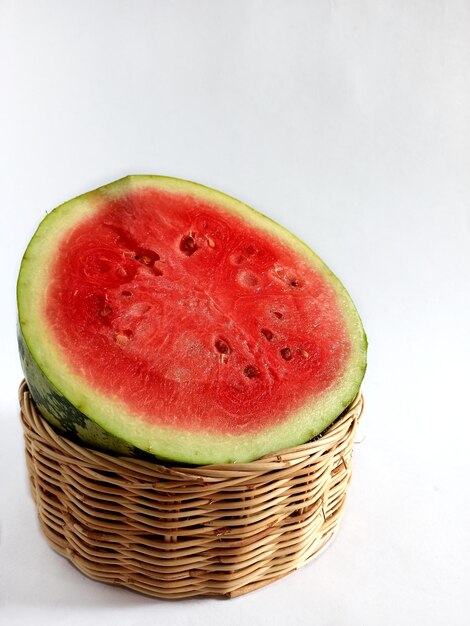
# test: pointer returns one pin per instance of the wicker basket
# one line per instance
(173, 532)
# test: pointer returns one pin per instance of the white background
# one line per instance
(348, 122)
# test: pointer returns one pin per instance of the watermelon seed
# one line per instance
(278, 315)
(210, 242)
(142, 259)
(247, 279)
(126, 293)
(267, 333)
(237, 259)
(303, 353)
(105, 311)
(188, 245)
(251, 371)
(296, 283)
(222, 346)
(286, 354)
(122, 337)
(147, 257)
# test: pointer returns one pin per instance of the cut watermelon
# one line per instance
(158, 315)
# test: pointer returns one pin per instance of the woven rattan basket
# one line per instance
(173, 532)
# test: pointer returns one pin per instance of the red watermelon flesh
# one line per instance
(211, 332)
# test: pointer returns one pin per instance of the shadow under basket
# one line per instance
(174, 531)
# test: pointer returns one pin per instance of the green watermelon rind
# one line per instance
(70, 403)
(66, 418)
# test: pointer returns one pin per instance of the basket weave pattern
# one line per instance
(174, 532)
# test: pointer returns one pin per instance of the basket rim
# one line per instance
(274, 460)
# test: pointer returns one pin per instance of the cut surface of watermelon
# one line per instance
(174, 319)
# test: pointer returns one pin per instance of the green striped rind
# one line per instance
(71, 403)
(66, 418)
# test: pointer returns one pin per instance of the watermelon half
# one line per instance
(160, 316)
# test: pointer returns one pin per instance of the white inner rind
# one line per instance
(112, 413)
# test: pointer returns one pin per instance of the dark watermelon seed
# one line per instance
(147, 257)
(222, 346)
(251, 371)
(296, 283)
(278, 315)
(286, 354)
(188, 245)
(267, 333)
(145, 260)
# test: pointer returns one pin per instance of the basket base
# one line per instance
(175, 532)
(152, 593)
